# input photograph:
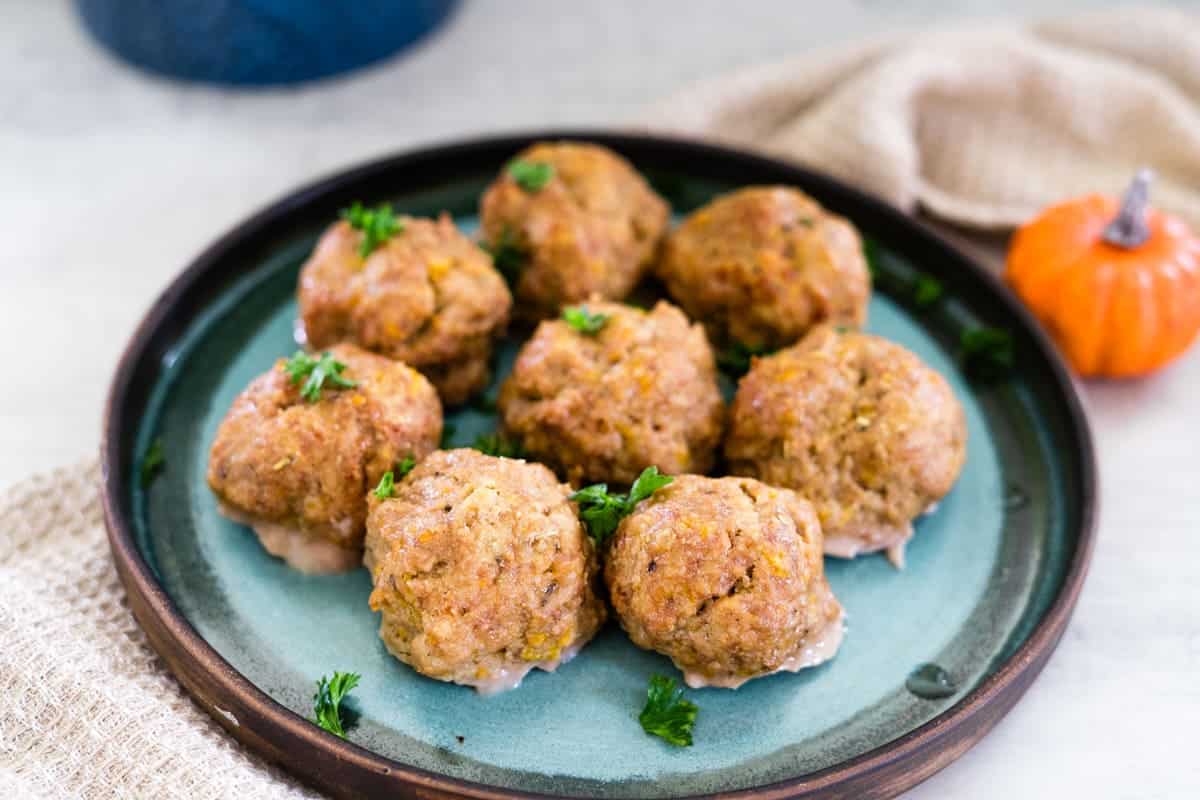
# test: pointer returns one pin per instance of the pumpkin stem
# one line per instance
(1129, 228)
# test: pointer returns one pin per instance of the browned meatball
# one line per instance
(298, 471)
(640, 392)
(428, 296)
(482, 570)
(762, 265)
(725, 577)
(858, 426)
(593, 229)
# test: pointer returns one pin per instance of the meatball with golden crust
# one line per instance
(592, 229)
(298, 471)
(428, 296)
(762, 265)
(639, 392)
(725, 577)
(858, 426)
(482, 571)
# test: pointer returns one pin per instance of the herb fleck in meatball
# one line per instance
(482, 570)
(641, 391)
(298, 471)
(762, 265)
(725, 576)
(427, 296)
(591, 229)
(858, 426)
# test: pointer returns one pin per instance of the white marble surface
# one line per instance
(110, 181)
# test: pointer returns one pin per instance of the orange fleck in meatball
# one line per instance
(592, 229)
(725, 577)
(428, 296)
(642, 391)
(298, 472)
(482, 571)
(762, 265)
(858, 426)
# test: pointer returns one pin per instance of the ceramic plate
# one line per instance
(989, 585)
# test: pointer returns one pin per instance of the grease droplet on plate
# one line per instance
(930, 682)
(1015, 498)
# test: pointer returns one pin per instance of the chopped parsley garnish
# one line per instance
(667, 715)
(494, 444)
(405, 466)
(584, 321)
(386, 487)
(531, 176)
(328, 699)
(736, 358)
(377, 225)
(152, 462)
(601, 511)
(318, 370)
(508, 256)
(927, 290)
(871, 254)
(987, 353)
(387, 483)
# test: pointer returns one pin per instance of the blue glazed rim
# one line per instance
(346, 770)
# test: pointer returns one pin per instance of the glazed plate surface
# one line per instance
(991, 574)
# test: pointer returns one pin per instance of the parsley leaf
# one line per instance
(387, 483)
(871, 253)
(667, 715)
(602, 511)
(584, 321)
(405, 466)
(649, 482)
(386, 487)
(327, 701)
(377, 225)
(927, 290)
(987, 353)
(152, 462)
(494, 444)
(737, 358)
(507, 254)
(531, 176)
(318, 370)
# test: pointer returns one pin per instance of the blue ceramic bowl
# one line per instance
(258, 42)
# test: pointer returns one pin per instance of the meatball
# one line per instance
(298, 471)
(858, 426)
(482, 571)
(642, 391)
(593, 228)
(762, 265)
(725, 577)
(428, 296)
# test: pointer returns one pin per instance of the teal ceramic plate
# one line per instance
(989, 585)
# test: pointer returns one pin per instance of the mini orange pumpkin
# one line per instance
(1117, 287)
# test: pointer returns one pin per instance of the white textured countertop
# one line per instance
(110, 181)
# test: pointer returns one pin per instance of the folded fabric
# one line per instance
(87, 710)
(978, 126)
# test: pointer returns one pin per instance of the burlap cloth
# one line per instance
(980, 127)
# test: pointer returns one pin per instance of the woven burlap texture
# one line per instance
(87, 709)
(978, 126)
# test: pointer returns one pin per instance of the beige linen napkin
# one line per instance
(87, 710)
(978, 126)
